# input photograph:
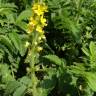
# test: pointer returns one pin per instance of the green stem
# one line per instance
(32, 65)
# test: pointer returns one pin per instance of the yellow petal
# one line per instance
(39, 9)
(39, 29)
(43, 21)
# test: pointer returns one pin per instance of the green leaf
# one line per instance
(22, 25)
(86, 51)
(54, 58)
(7, 42)
(11, 87)
(25, 80)
(92, 47)
(42, 92)
(20, 91)
(7, 8)
(1, 54)
(17, 42)
(91, 80)
(23, 16)
(47, 85)
(11, 18)
(79, 69)
(5, 73)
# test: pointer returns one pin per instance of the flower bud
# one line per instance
(35, 43)
(43, 37)
(39, 38)
(28, 69)
(39, 49)
(27, 44)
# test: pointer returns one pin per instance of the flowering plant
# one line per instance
(47, 48)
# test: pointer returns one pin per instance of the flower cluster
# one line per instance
(37, 22)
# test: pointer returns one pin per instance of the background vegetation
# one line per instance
(67, 64)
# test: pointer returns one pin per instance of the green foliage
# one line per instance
(23, 16)
(54, 59)
(67, 64)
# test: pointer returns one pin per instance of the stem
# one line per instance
(32, 65)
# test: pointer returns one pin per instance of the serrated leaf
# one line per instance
(42, 92)
(22, 25)
(91, 80)
(6, 42)
(11, 18)
(24, 15)
(92, 47)
(25, 80)
(46, 86)
(17, 42)
(86, 51)
(54, 58)
(20, 91)
(6, 73)
(1, 54)
(78, 69)
(11, 87)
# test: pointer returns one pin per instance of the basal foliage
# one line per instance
(47, 48)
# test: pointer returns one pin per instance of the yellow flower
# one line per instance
(31, 25)
(43, 21)
(39, 9)
(39, 29)
(44, 7)
(32, 22)
(31, 18)
(37, 18)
